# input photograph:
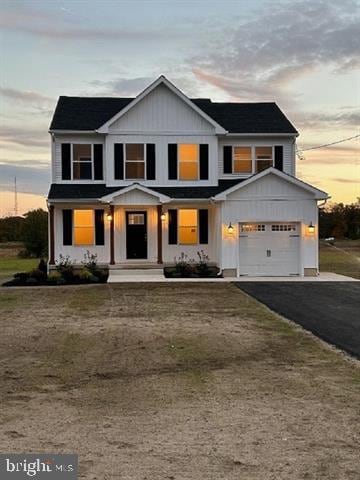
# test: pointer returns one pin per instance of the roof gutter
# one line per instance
(262, 134)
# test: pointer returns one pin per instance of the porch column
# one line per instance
(112, 250)
(51, 236)
(159, 234)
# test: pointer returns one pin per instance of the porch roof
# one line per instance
(76, 191)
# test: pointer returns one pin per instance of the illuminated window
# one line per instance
(82, 162)
(264, 158)
(188, 157)
(134, 160)
(242, 160)
(188, 226)
(253, 227)
(84, 227)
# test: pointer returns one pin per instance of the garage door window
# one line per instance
(253, 227)
(283, 228)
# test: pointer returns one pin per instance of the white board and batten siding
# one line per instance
(161, 111)
(270, 201)
(258, 141)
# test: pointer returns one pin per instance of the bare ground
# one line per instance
(173, 381)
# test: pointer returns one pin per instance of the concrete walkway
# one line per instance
(323, 277)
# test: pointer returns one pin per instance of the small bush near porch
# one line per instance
(186, 267)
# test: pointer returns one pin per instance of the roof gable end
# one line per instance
(161, 81)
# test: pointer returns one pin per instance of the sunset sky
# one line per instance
(302, 54)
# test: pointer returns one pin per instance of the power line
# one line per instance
(329, 144)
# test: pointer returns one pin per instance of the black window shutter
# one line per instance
(118, 161)
(66, 161)
(203, 226)
(150, 161)
(172, 161)
(99, 227)
(172, 227)
(227, 159)
(67, 227)
(204, 161)
(279, 157)
(98, 162)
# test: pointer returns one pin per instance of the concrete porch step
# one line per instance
(135, 274)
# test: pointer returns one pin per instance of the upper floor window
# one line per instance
(242, 160)
(246, 160)
(82, 162)
(134, 161)
(263, 158)
(188, 156)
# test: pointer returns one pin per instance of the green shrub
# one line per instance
(38, 274)
(55, 278)
(65, 267)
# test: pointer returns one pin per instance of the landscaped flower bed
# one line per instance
(185, 267)
(65, 273)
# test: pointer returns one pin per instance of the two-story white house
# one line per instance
(140, 180)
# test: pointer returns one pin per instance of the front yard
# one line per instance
(173, 381)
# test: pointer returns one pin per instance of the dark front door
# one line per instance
(136, 235)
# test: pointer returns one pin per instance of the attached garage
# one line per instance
(269, 249)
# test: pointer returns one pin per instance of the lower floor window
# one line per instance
(188, 226)
(84, 227)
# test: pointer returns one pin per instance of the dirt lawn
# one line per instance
(173, 381)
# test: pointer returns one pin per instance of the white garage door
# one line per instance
(269, 249)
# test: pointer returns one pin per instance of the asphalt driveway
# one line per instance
(331, 310)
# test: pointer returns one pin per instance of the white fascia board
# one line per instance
(232, 134)
(318, 194)
(161, 80)
(110, 197)
(73, 132)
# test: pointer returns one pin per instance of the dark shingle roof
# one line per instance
(69, 191)
(90, 113)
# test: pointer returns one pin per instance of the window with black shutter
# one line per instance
(99, 227)
(204, 161)
(172, 161)
(98, 162)
(118, 161)
(203, 226)
(67, 227)
(279, 162)
(150, 161)
(227, 158)
(172, 214)
(66, 161)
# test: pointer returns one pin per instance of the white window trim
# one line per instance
(197, 228)
(272, 156)
(253, 158)
(134, 161)
(73, 161)
(73, 228)
(198, 164)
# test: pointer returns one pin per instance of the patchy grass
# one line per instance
(10, 263)
(343, 257)
(174, 381)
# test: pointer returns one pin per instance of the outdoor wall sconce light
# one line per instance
(109, 217)
(163, 217)
(311, 228)
(230, 229)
